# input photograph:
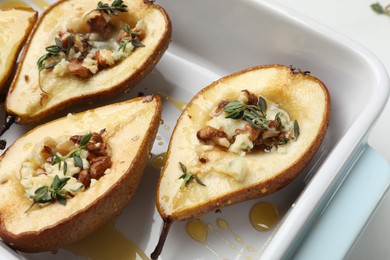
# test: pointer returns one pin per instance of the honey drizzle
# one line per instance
(12, 4)
(223, 238)
(198, 231)
(159, 160)
(222, 224)
(175, 102)
(264, 216)
(42, 4)
(106, 243)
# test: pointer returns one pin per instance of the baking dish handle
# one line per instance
(336, 230)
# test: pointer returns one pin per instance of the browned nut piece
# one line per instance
(140, 36)
(85, 178)
(104, 58)
(251, 98)
(208, 133)
(64, 38)
(101, 25)
(218, 109)
(99, 165)
(254, 133)
(122, 34)
(76, 68)
(273, 124)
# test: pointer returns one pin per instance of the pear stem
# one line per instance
(9, 120)
(163, 236)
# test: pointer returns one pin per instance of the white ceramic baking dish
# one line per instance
(215, 38)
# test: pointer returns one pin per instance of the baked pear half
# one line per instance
(66, 178)
(242, 137)
(80, 51)
(16, 24)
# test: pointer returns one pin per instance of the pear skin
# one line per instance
(34, 94)
(19, 23)
(227, 177)
(129, 128)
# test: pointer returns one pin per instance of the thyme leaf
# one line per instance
(113, 9)
(54, 50)
(136, 43)
(55, 192)
(188, 176)
(253, 114)
(379, 9)
(75, 154)
(296, 129)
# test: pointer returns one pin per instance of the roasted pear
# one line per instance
(16, 24)
(84, 50)
(66, 178)
(242, 137)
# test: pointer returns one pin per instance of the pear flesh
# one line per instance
(16, 24)
(129, 129)
(229, 177)
(35, 95)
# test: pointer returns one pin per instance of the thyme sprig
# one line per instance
(75, 153)
(113, 9)
(55, 192)
(127, 40)
(297, 132)
(188, 176)
(253, 114)
(379, 9)
(52, 51)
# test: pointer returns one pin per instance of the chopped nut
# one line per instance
(64, 38)
(100, 23)
(99, 165)
(140, 34)
(248, 97)
(209, 132)
(218, 109)
(273, 124)
(104, 58)
(121, 35)
(76, 68)
(85, 178)
(254, 133)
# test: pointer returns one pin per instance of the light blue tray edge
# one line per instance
(336, 230)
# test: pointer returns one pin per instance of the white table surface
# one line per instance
(356, 20)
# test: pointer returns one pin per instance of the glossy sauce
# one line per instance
(222, 224)
(167, 127)
(264, 216)
(175, 102)
(197, 230)
(12, 4)
(159, 160)
(107, 243)
(42, 4)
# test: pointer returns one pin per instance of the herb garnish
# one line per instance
(253, 114)
(298, 71)
(256, 116)
(54, 50)
(55, 192)
(296, 129)
(127, 40)
(187, 176)
(75, 153)
(116, 6)
(379, 9)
